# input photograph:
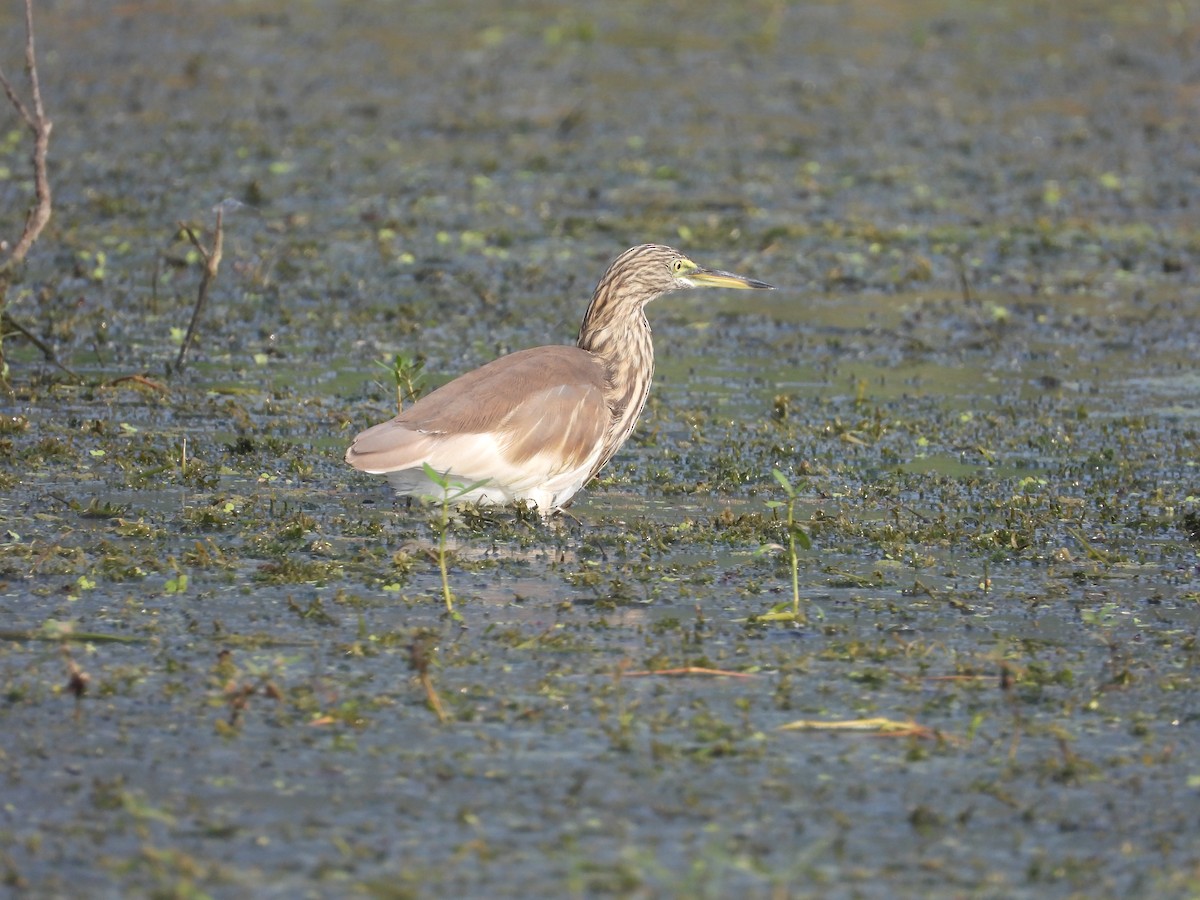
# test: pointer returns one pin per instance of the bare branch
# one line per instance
(7, 322)
(212, 263)
(15, 100)
(40, 126)
(39, 213)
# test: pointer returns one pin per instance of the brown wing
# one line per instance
(548, 400)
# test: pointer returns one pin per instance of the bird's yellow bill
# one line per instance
(717, 278)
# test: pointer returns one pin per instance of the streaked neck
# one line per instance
(627, 353)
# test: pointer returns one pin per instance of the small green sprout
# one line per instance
(448, 493)
(798, 536)
(407, 376)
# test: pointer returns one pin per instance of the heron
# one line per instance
(539, 424)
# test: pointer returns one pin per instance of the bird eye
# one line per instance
(677, 266)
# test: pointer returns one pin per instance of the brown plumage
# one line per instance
(538, 424)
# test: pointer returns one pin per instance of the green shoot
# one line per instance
(448, 493)
(406, 376)
(798, 536)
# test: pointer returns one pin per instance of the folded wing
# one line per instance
(532, 418)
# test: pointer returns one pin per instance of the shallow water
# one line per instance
(978, 372)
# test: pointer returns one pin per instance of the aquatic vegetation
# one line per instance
(407, 377)
(448, 491)
(987, 426)
(797, 537)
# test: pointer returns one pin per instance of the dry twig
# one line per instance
(691, 670)
(39, 213)
(77, 680)
(212, 263)
(35, 118)
(8, 322)
(137, 380)
(419, 659)
(878, 726)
